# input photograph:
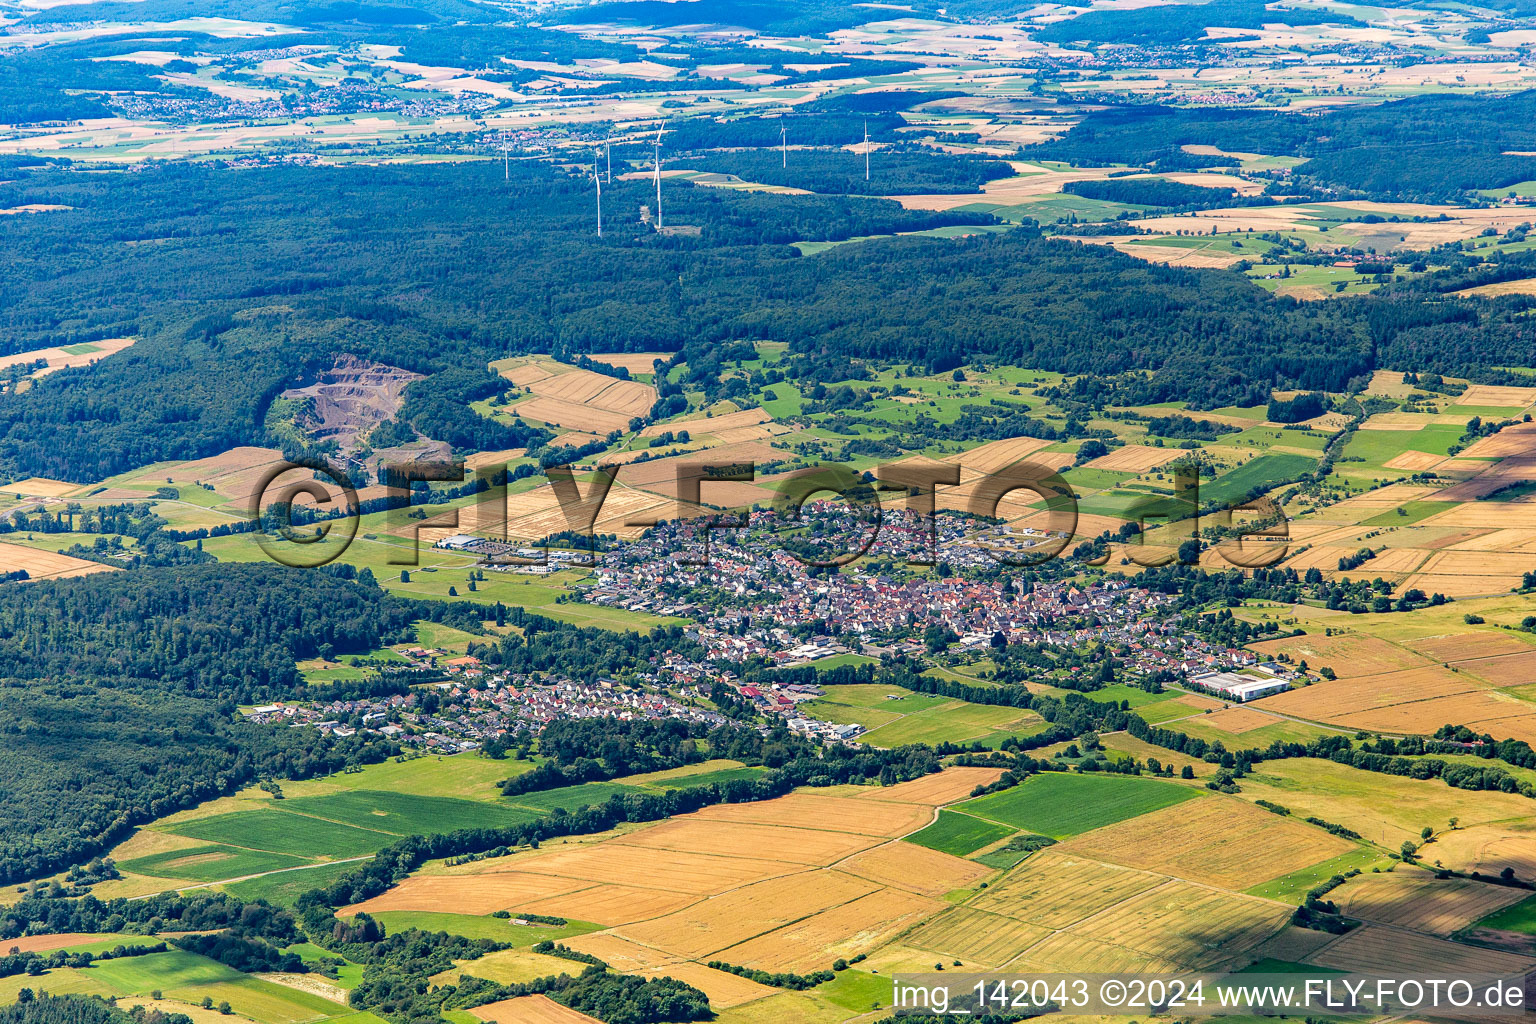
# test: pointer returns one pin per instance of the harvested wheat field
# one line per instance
(1056, 890)
(1413, 461)
(915, 868)
(1070, 952)
(621, 953)
(737, 916)
(634, 362)
(610, 904)
(505, 967)
(62, 358)
(597, 391)
(1238, 720)
(1135, 458)
(530, 1010)
(1349, 654)
(234, 475)
(843, 931)
(1417, 900)
(1490, 848)
(724, 990)
(46, 565)
(1519, 439)
(572, 415)
(675, 871)
(710, 424)
(467, 894)
(1523, 286)
(1213, 840)
(742, 839)
(947, 787)
(977, 937)
(1412, 700)
(48, 943)
(996, 455)
(1385, 950)
(1484, 643)
(836, 814)
(1187, 924)
(1503, 669)
(1492, 394)
(40, 487)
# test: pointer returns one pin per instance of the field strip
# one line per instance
(259, 874)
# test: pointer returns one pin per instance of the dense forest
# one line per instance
(1425, 148)
(118, 690)
(891, 172)
(1169, 25)
(416, 267)
(1150, 192)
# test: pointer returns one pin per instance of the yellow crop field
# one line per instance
(1212, 839)
(1069, 951)
(1187, 924)
(1137, 458)
(1503, 669)
(1492, 394)
(1418, 901)
(837, 814)
(506, 967)
(915, 868)
(621, 953)
(537, 1009)
(733, 838)
(949, 786)
(572, 415)
(1348, 654)
(674, 870)
(997, 455)
(724, 990)
(976, 937)
(634, 362)
(1484, 643)
(1384, 950)
(467, 894)
(1056, 890)
(44, 565)
(1388, 809)
(611, 904)
(738, 915)
(710, 424)
(855, 927)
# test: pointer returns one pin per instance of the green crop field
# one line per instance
(404, 814)
(856, 990)
(210, 863)
(284, 888)
(283, 832)
(720, 777)
(474, 927)
(570, 797)
(1060, 805)
(1265, 473)
(1293, 887)
(959, 834)
(462, 776)
(1519, 918)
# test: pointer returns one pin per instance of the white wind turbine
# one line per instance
(657, 158)
(598, 181)
(866, 150)
(783, 143)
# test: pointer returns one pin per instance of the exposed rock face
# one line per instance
(350, 399)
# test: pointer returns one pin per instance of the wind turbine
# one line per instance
(506, 163)
(783, 143)
(598, 181)
(866, 150)
(608, 158)
(659, 132)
